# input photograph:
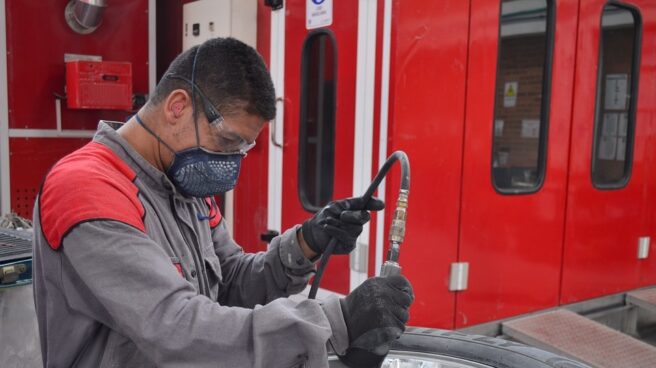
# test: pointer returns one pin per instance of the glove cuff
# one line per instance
(339, 341)
(306, 230)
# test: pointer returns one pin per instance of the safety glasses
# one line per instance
(229, 141)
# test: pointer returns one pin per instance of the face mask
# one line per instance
(197, 172)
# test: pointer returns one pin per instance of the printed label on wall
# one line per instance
(318, 13)
(510, 94)
(498, 128)
(530, 128)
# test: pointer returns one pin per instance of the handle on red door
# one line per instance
(269, 235)
(274, 124)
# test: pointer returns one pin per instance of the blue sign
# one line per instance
(318, 2)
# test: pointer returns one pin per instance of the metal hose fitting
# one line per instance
(397, 229)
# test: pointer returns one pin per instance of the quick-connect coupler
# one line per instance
(396, 235)
(397, 229)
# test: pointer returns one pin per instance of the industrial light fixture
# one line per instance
(84, 16)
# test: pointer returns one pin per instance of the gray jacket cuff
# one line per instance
(291, 255)
(339, 340)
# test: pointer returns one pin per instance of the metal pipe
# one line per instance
(85, 16)
(89, 12)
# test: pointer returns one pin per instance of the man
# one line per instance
(133, 266)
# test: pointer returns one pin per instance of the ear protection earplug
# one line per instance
(177, 109)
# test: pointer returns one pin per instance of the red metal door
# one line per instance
(344, 31)
(427, 116)
(646, 117)
(512, 212)
(606, 218)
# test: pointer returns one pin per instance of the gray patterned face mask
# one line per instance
(198, 172)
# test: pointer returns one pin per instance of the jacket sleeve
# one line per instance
(258, 278)
(120, 277)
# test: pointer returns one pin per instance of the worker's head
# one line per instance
(229, 78)
(210, 105)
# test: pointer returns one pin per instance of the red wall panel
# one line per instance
(647, 112)
(37, 39)
(427, 102)
(603, 226)
(31, 159)
(513, 243)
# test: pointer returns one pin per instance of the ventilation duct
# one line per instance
(85, 16)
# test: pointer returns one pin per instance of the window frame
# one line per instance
(303, 102)
(545, 107)
(633, 102)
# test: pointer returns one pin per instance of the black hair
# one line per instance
(230, 73)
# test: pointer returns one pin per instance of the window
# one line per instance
(617, 87)
(316, 165)
(522, 95)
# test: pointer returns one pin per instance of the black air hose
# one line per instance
(396, 227)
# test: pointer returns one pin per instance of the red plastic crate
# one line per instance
(105, 85)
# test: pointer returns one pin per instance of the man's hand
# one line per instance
(342, 220)
(375, 314)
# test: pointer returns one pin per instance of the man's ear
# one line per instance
(176, 105)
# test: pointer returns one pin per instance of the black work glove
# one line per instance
(375, 314)
(342, 220)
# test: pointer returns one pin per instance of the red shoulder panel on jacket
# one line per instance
(215, 214)
(92, 183)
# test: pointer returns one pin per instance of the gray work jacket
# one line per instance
(130, 273)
